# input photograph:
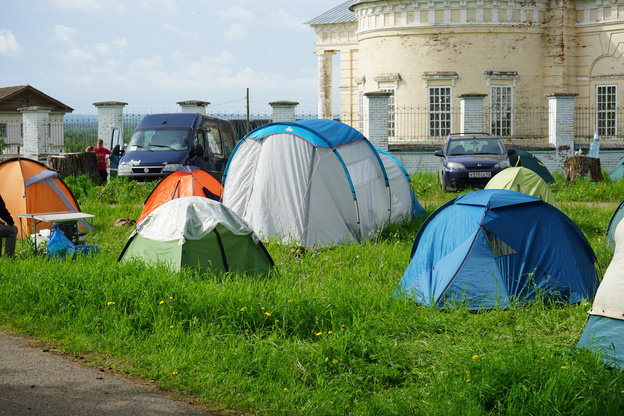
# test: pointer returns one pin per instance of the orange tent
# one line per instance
(186, 181)
(29, 187)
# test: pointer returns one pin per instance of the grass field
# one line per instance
(324, 335)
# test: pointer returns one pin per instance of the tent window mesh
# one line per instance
(498, 246)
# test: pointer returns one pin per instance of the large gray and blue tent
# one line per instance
(315, 183)
(495, 247)
(604, 331)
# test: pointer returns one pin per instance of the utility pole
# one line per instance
(247, 111)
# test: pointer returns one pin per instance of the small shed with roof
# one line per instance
(24, 110)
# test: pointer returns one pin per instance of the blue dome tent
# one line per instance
(490, 247)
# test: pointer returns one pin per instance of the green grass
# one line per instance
(324, 336)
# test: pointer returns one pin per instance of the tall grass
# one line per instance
(322, 336)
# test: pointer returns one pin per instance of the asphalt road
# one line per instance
(37, 382)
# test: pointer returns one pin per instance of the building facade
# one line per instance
(428, 54)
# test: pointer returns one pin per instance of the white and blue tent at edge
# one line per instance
(316, 183)
(498, 248)
(604, 331)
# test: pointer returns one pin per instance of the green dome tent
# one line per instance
(198, 232)
(522, 180)
(528, 160)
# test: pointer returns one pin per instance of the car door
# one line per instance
(116, 148)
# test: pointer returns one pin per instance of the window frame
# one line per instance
(445, 115)
(606, 112)
(501, 118)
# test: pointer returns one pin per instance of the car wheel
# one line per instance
(441, 182)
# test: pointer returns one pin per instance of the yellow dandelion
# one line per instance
(244, 308)
(330, 332)
(171, 297)
(267, 314)
(525, 389)
(335, 361)
(330, 402)
(341, 326)
(285, 388)
(346, 406)
(622, 392)
(468, 381)
(110, 303)
(277, 320)
(166, 343)
(240, 300)
(175, 373)
(262, 308)
(246, 331)
(158, 345)
(474, 357)
(563, 367)
(289, 301)
(318, 334)
(171, 327)
(161, 302)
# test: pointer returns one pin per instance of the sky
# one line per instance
(153, 53)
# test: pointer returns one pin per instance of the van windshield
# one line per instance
(156, 140)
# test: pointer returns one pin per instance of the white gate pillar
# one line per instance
(110, 114)
(36, 122)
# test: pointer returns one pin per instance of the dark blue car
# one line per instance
(471, 160)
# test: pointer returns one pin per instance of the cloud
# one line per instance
(170, 6)
(116, 45)
(281, 19)
(236, 13)
(64, 33)
(177, 31)
(235, 32)
(79, 5)
(8, 43)
(77, 58)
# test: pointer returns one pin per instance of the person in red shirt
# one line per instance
(102, 154)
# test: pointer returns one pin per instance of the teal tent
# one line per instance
(618, 171)
(617, 216)
(604, 331)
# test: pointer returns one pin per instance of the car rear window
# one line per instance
(475, 146)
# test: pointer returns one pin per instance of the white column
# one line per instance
(193, 106)
(110, 114)
(471, 116)
(36, 122)
(561, 125)
(377, 118)
(325, 100)
(283, 110)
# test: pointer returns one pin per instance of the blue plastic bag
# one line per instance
(59, 246)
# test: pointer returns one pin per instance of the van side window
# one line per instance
(214, 140)
(228, 142)
(199, 139)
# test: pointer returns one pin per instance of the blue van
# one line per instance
(161, 143)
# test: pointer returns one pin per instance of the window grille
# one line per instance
(439, 111)
(501, 103)
(606, 104)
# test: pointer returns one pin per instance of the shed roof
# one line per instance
(339, 14)
(11, 94)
